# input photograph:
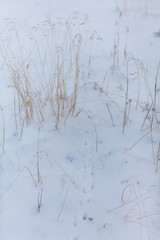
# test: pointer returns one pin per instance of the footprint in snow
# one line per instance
(75, 223)
(92, 186)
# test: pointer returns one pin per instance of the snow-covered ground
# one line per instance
(93, 175)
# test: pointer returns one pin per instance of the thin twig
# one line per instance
(65, 198)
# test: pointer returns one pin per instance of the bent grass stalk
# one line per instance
(38, 171)
(126, 94)
(158, 158)
(154, 115)
(50, 157)
(92, 122)
(15, 179)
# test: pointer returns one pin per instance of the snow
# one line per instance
(98, 175)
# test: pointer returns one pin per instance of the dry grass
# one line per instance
(115, 54)
(136, 8)
(158, 158)
(126, 93)
(49, 69)
(16, 178)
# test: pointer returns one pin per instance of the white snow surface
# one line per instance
(97, 183)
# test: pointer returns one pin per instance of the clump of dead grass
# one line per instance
(48, 67)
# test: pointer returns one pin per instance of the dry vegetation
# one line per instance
(49, 69)
(50, 63)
